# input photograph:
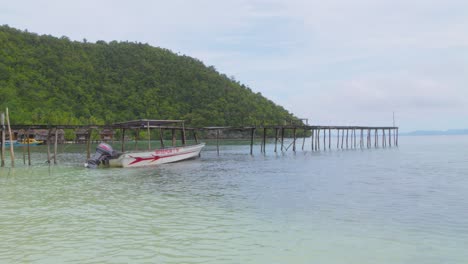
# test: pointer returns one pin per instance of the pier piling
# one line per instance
(3, 140)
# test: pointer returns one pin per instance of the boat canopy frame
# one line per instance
(148, 124)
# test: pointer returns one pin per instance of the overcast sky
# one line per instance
(335, 62)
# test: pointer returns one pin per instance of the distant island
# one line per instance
(450, 132)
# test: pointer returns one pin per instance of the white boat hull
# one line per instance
(156, 157)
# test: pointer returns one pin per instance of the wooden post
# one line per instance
(347, 131)
(123, 139)
(174, 138)
(88, 144)
(369, 136)
(264, 140)
(397, 137)
(337, 138)
(361, 139)
(48, 146)
(389, 137)
(217, 141)
(3, 140)
(282, 138)
(24, 148)
(342, 139)
(137, 137)
(303, 140)
(312, 139)
(376, 138)
(354, 132)
(55, 145)
(383, 138)
(29, 149)
(184, 139)
(317, 145)
(276, 138)
(149, 135)
(182, 136)
(252, 132)
(161, 137)
(329, 138)
(294, 139)
(324, 139)
(12, 152)
(195, 136)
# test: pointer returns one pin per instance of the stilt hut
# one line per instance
(107, 134)
(81, 135)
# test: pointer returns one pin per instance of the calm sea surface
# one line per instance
(395, 205)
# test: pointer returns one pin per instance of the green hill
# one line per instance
(45, 79)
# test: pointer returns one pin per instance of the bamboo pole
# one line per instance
(3, 140)
(12, 152)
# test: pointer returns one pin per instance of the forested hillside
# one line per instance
(45, 79)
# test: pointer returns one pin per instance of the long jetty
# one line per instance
(322, 137)
(347, 137)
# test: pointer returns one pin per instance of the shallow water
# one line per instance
(392, 205)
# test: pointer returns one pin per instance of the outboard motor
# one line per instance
(104, 152)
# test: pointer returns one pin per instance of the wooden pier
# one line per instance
(321, 137)
(347, 137)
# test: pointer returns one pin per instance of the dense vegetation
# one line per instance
(49, 80)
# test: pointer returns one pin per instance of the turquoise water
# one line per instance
(394, 205)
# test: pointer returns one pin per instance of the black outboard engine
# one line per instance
(104, 152)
